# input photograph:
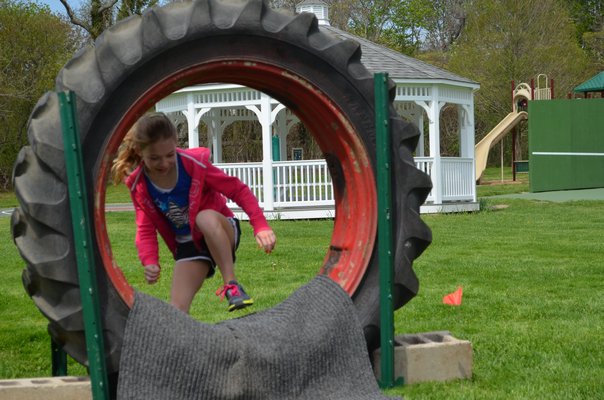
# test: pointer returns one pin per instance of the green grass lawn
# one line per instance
(493, 174)
(491, 184)
(8, 200)
(117, 194)
(270, 278)
(533, 304)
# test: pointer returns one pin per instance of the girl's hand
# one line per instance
(266, 240)
(152, 273)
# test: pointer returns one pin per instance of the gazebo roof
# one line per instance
(595, 84)
(378, 58)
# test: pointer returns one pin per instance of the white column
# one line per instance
(466, 123)
(462, 123)
(419, 120)
(193, 118)
(432, 109)
(216, 125)
(468, 142)
(190, 114)
(264, 115)
(434, 134)
(214, 128)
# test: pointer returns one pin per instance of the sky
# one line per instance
(56, 6)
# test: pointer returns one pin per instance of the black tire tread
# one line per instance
(94, 73)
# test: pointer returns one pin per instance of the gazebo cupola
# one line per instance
(317, 7)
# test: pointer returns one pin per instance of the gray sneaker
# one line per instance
(235, 295)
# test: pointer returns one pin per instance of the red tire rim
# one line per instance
(355, 223)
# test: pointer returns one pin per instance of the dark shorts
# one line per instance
(187, 251)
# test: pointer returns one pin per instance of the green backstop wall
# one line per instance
(566, 144)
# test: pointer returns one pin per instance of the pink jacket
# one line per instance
(209, 186)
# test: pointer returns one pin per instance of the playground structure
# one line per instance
(565, 147)
(521, 95)
(591, 88)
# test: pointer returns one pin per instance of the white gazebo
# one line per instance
(291, 189)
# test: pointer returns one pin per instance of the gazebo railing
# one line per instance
(299, 183)
(457, 180)
(295, 183)
(424, 164)
(308, 183)
(248, 173)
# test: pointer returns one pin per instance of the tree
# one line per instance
(405, 25)
(99, 15)
(589, 20)
(35, 44)
(408, 25)
(394, 23)
(398, 24)
(444, 22)
(134, 7)
(369, 18)
(594, 43)
(588, 15)
(96, 16)
(512, 40)
(287, 5)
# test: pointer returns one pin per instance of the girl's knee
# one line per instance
(207, 219)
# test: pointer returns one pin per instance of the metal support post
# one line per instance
(58, 359)
(82, 243)
(385, 245)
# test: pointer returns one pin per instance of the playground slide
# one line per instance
(481, 150)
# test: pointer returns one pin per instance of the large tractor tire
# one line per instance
(144, 58)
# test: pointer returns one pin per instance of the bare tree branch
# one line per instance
(106, 7)
(95, 13)
(72, 17)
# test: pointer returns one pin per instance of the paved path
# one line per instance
(558, 196)
(6, 212)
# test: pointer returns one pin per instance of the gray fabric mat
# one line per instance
(311, 346)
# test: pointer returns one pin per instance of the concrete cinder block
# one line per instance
(431, 356)
(53, 388)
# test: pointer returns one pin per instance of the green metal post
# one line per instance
(276, 157)
(384, 189)
(82, 242)
(58, 359)
(276, 148)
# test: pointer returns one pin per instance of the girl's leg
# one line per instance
(187, 279)
(220, 238)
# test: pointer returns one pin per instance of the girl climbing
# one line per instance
(180, 195)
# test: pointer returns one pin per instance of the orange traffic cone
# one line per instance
(454, 299)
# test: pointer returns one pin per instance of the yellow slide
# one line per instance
(481, 150)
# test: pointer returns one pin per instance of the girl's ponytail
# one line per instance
(127, 159)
